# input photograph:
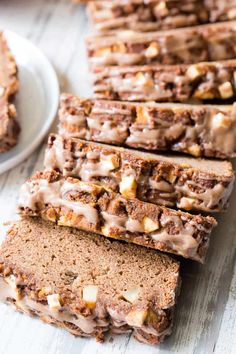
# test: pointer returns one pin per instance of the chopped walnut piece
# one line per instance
(119, 47)
(161, 9)
(110, 161)
(144, 80)
(136, 318)
(131, 295)
(44, 292)
(221, 121)
(2, 91)
(50, 215)
(90, 293)
(149, 225)
(171, 177)
(142, 115)
(128, 187)
(152, 51)
(194, 72)
(54, 301)
(226, 90)
(103, 51)
(195, 150)
(11, 280)
(105, 230)
(186, 203)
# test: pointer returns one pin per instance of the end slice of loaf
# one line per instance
(88, 285)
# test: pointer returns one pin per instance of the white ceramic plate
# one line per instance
(36, 102)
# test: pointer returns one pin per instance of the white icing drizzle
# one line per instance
(210, 198)
(133, 225)
(137, 89)
(162, 186)
(89, 169)
(78, 119)
(80, 134)
(86, 324)
(114, 220)
(92, 155)
(144, 136)
(58, 155)
(122, 222)
(109, 110)
(106, 131)
(183, 242)
(36, 192)
(117, 58)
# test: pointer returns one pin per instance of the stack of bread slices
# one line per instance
(134, 174)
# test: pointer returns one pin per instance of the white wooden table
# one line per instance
(206, 314)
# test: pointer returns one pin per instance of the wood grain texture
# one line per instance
(206, 313)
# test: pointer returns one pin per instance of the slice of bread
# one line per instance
(174, 181)
(70, 202)
(205, 81)
(198, 130)
(145, 15)
(211, 42)
(88, 285)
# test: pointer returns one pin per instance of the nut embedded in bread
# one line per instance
(54, 272)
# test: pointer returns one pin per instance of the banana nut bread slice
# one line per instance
(182, 182)
(9, 127)
(172, 83)
(9, 83)
(145, 15)
(211, 42)
(198, 130)
(90, 207)
(88, 285)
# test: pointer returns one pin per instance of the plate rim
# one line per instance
(31, 147)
